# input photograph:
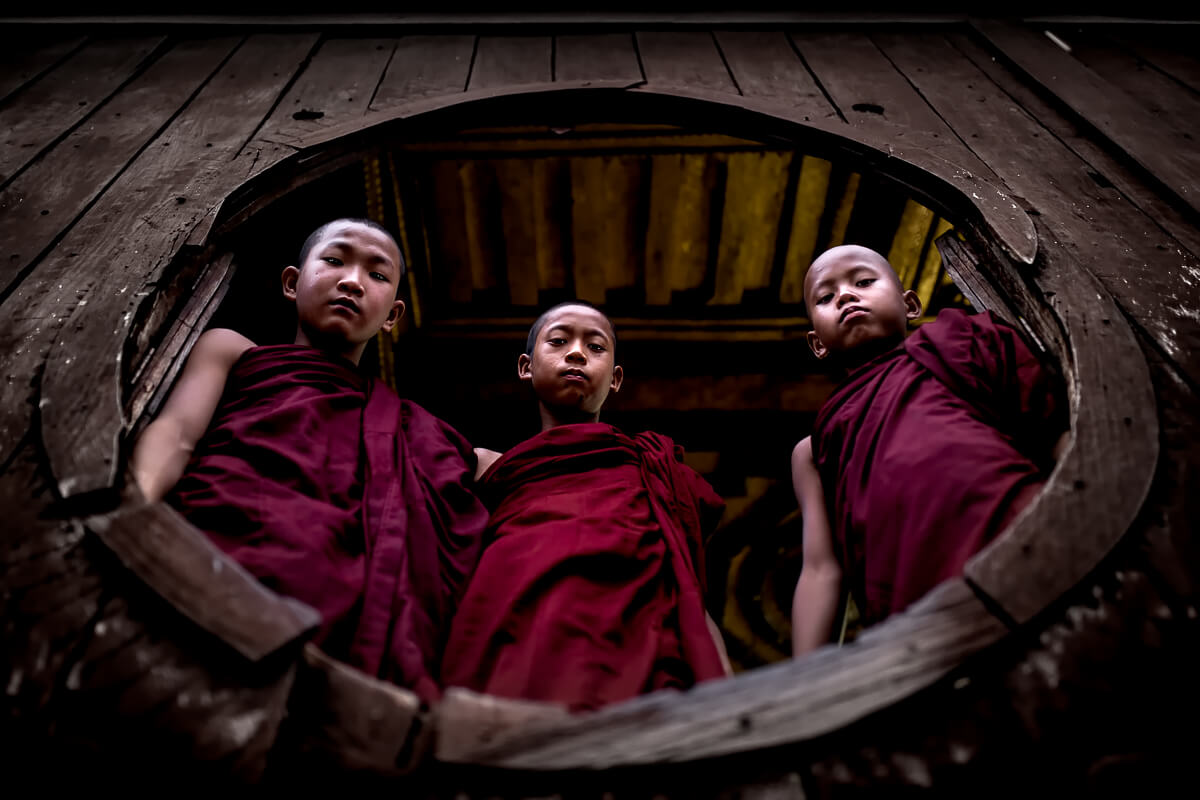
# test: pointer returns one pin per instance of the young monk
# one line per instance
(925, 452)
(590, 589)
(323, 483)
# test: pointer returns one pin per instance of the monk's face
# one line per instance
(345, 291)
(572, 365)
(856, 302)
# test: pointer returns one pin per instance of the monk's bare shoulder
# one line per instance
(220, 346)
(485, 458)
(802, 452)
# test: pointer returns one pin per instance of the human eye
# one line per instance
(596, 347)
(865, 282)
(825, 298)
(379, 276)
(337, 262)
(557, 341)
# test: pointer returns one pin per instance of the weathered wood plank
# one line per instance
(72, 91)
(121, 248)
(531, 190)
(1165, 150)
(1160, 96)
(754, 192)
(1032, 563)
(787, 702)
(607, 203)
(335, 87)
(596, 56)
(25, 59)
(677, 231)
(876, 97)
(425, 65)
(47, 197)
(1172, 55)
(1118, 245)
(187, 570)
(511, 61)
(684, 58)
(765, 66)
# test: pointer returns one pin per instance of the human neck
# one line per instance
(333, 346)
(851, 360)
(554, 417)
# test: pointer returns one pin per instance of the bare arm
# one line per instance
(484, 458)
(815, 602)
(163, 449)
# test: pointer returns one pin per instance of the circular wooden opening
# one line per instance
(1056, 541)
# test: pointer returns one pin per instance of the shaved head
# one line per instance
(846, 252)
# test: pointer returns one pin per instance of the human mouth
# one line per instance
(852, 312)
(574, 375)
(347, 303)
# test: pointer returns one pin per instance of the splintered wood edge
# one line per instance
(182, 566)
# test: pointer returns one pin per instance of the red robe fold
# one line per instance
(928, 451)
(589, 590)
(330, 489)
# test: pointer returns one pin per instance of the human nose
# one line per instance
(846, 294)
(350, 282)
(576, 352)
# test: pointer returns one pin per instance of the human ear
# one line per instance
(618, 376)
(912, 305)
(816, 345)
(524, 367)
(394, 316)
(290, 276)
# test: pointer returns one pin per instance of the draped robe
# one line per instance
(329, 488)
(590, 588)
(928, 451)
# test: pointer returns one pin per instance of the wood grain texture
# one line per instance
(335, 87)
(113, 257)
(208, 587)
(1165, 150)
(58, 101)
(45, 199)
(1085, 506)
(786, 702)
(765, 65)
(1105, 168)
(422, 66)
(597, 56)
(511, 61)
(684, 58)
(26, 58)
(1172, 55)
(876, 97)
(1111, 239)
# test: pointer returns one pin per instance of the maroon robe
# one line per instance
(329, 488)
(589, 589)
(928, 451)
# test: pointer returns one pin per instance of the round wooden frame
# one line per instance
(1083, 511)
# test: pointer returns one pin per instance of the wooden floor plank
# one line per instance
(53, 105)
(684, 58)
(1163, 98)
(23, 60)
(765, 66)
(1108, 169)
(100, 272)
(875, 96)
(1119, 245)
(1173, 55)
(425, 65)
(46, 198)
(511, 61)
(334, 89)
(1166, 151)
(596, 57)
